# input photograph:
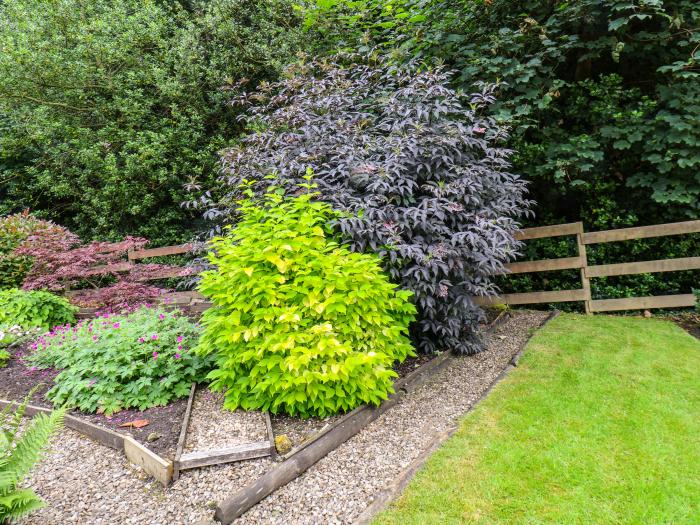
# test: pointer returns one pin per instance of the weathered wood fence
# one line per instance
(587, 272)
(578, 262)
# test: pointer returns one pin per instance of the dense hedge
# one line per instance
(603, 98)
(107, 108)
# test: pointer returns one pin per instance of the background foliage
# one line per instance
(108, 107)
(602, 97)
(299, 324)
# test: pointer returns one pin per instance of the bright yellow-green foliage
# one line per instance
(34, 308)
(300, 324)
(598, 425)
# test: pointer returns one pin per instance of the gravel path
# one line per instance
(334, 491)
(212, 427)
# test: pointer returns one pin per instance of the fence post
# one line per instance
(585, 282)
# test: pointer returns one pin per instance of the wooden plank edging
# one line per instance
(134, 451)
(183, 433)
(159, 252)
(204, 458)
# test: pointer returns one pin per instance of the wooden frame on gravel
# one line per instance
(161, 469)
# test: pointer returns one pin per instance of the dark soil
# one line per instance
(17, 380)
(690, 322)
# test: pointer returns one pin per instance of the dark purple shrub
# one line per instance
(416, 166)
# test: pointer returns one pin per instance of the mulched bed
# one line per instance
(17, 380)
(83, 486)
(690, 322)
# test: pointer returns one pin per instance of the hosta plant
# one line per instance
(138, 360)
(19, 452)
(417, 168)
(299, 324)
(34, 308)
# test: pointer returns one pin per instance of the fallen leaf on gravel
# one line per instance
(139, 423)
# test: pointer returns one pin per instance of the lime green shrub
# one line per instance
(299, 324)
(34, 308)
(137, 359)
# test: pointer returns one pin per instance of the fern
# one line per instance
(18, 454)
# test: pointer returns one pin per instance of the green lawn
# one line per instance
(600, 424)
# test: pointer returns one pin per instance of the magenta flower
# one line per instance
(155, 355)
(94, 338)
(154, 337)
(116, 325)
(179, 339)
(142, 340)
(161, 317)
(177, 356)
(179, 347)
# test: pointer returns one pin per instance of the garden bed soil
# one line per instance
(17, 380)
(690, 322)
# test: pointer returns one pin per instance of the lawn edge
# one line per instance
(394, 490)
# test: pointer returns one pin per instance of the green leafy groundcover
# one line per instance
(117, 361)
(34, 308)
(299, 324)
(598, 424)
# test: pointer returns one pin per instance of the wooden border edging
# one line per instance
(183, 433)
(205, 458)
(134, 451)
(389, 494)
(307, 454)
(271, 436)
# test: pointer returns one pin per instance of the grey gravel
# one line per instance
(212, 427)
(86, 483)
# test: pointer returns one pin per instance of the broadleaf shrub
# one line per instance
(138, 360)
(299, 324)
(107, 106)
(14, 230)
(35, 308)
(416, 168)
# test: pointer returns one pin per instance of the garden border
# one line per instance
(297, 461)
(183, 433)
(161, 469)
(389, 494)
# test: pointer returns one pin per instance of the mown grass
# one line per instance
(600, 424)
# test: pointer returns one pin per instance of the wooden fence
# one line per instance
(579, 262)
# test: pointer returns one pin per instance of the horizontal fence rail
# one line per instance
(602, 270)
(197, 303)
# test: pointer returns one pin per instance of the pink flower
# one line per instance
(155, 355)
(154, 337)
(179, 339)
(116, 325)
(177, 356)
(179, 347)
(161, 317)
(94, 338)
(142, 340)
